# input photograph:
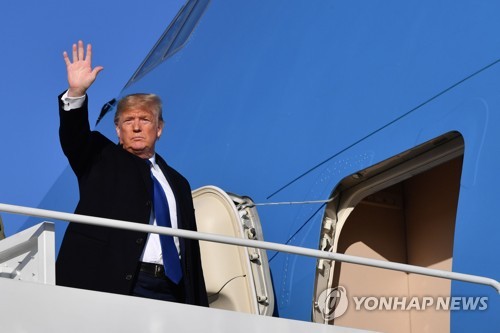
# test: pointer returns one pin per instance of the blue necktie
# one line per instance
(171, 260)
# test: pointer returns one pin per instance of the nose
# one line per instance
(136, 125)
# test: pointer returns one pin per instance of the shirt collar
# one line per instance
(152, 159)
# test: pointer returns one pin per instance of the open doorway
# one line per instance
(400, 210)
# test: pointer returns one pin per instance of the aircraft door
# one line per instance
(237, 278)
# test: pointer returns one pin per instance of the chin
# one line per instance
(141, 150)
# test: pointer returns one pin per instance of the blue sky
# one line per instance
(33, 36)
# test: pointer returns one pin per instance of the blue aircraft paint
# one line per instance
(280, 100)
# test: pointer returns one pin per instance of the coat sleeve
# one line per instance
(78, 142)
(198, 293)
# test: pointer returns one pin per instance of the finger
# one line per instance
(97, 70)
(75, 55)
(80, 50)
(66, 59)
(89, 53)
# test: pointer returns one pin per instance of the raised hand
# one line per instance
(80, 72)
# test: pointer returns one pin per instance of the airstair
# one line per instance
(238, 282)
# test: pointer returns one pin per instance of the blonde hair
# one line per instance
(140, 101)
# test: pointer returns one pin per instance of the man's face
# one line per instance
(138, 131)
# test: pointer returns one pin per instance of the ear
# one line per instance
(118, 133)
(159, 131)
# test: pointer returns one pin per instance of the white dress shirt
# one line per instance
(152, 250)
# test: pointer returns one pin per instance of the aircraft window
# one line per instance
(400, 210)
(174, 37)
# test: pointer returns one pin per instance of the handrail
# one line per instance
(104, 222)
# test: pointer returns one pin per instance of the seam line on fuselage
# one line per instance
(386, 125)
